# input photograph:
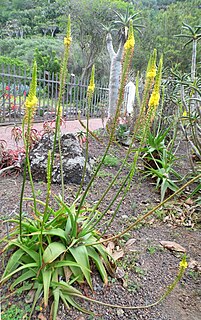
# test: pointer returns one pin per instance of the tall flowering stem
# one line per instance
(149, 82)
(155, 95)
(127, 58)
(141, 126)
(128, 54)
(30, 109)
(182, 267)
(90, 92)
(63, 73)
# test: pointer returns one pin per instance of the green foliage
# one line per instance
(15, 312)
(36, 18)
(65, 250)
(12, 62)
(47, 62)
(159, 162)
(111, 161)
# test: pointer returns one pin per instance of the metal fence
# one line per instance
(14, 87)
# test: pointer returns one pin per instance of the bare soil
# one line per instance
(148, 268)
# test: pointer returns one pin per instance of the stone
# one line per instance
(73, 159)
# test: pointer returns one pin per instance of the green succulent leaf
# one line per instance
(46, 284)
(95, 256)
(13, 262)
(26, 266)
(33, 254)
(26, 275)
(75, 268)
(80, 254)
(53, 251)
(55, 304)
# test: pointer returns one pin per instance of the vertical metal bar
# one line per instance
(74, 100)
(14, 112)
(56, 89)
(77, 88)
(9, 102)
(52, 91)
(3, 93)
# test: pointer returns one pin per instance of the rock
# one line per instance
(120, 312)
(73, 159)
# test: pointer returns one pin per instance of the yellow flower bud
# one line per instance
(130, 41)
(129, 44)
(31, 102)
(154, 99)
(183, 264)
(151, 73)
(67, 41)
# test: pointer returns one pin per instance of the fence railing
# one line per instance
(14, 87)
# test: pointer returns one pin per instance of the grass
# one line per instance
(104, 174)
(16, 312)
(111, 161)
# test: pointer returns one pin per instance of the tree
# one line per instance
(193, 37)
(116, 57)
(87, 17)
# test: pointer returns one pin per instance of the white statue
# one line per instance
(129, 97)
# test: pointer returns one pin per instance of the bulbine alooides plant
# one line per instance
(54, 248)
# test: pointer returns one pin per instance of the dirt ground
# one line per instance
(147, 267)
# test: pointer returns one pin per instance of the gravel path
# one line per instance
(68, 126)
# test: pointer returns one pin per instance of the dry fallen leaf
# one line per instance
(189, 201)
(110, 247)
(117, 254)
(129, 244)
(67, 273)
(173, 246)
(120, 273)
(41, 316)
(30, 297)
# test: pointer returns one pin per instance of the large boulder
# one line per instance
(73, 159)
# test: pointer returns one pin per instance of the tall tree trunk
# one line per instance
(115, 74)
(193, 103)
(193, 65)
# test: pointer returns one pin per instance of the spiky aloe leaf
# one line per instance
(68, 292)
(53, 232)
(77, 272)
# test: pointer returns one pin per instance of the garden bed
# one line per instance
(145, 269)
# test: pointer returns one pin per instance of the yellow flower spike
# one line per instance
(183, 264)
(151, 69)
(91, 86)
(130, 42)
(154, 99)
(155, 96)
(31, 100)
(68, 39)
